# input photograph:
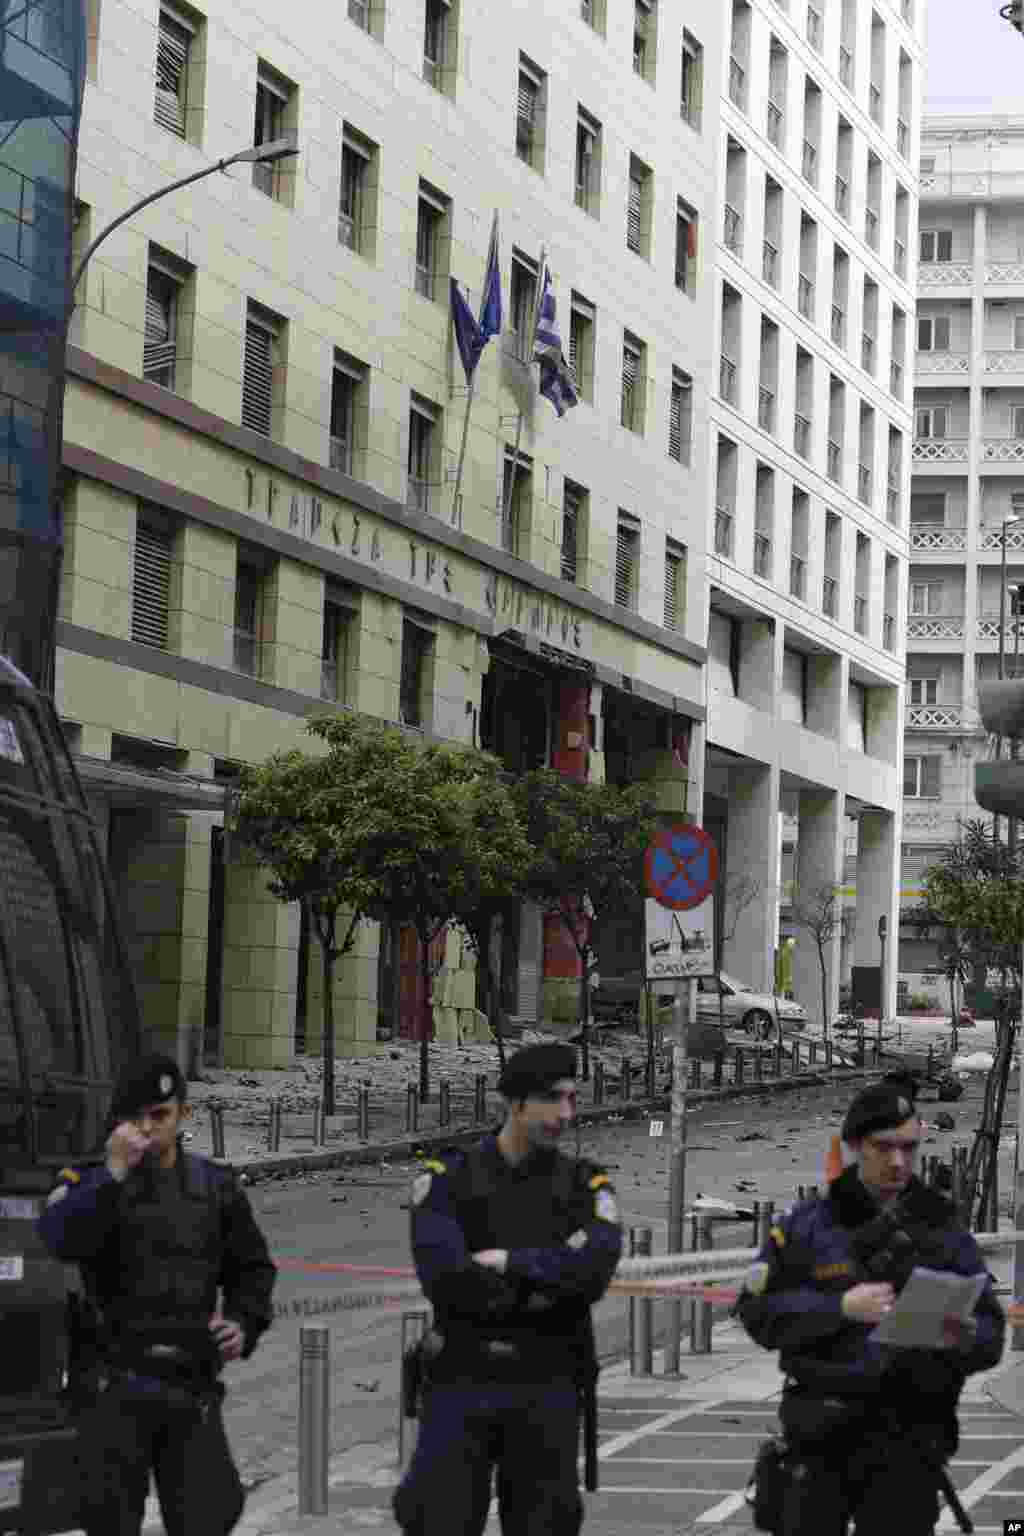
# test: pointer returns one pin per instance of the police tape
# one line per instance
(412, 1299)
(723, 1264)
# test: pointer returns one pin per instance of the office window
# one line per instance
(1017, 421)
(358, 192)
(638, 215)
(432, 222)
(263, 349)
(341, 610)
(691, 97)
(368, 15)
(634, 355)
(530, 103)
(523, 300)
(680, 421)
(593, 13)
(274, 107)
(922, 778)
(686, 247)
(627, 562)
(151, 578)
(575, 504)
(645, 44)
(925, 597)
(793, 690)
(415, 684)
(581, 345)
(424, 448)
(931, 421)
(159, 349)
(437, 22)
(173, 43)
(516, 500)
(936, 244)
(675, 585)
(922, 690)
(249, 581)
(933, 333)
(588, 163)
(348, 413)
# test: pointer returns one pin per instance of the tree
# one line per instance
(587, 842)
(735, 894)
(818, 909)
(295, 814)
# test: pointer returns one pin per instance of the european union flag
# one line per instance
(467, 332)
(490, 301)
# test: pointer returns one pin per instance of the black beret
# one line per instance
(152, 1079)
(878, 1108)
(535, 1068)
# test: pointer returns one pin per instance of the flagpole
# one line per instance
(529, 362)
(456, 507)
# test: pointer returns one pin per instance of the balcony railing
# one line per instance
(864, 483)
(930, 537)
(1004, 362)
(945, 274)
(732, 233)
(723, 532)
(834, 460)
(933, 626)
(1004, 272)
(989, 627)
(1003, 450)
(809, 163)
(842, 197)
(903, 137)
(829, 596)
(875, 103)
(846, 66)
(838, 326)
(871, 227)
(940, 450)
(797, 577)
(935, 717)
(770, 263)
(727, 379)
(889, 631)
(738, 84)
(899, 257)
(805, 296)
(867, 352)
(992, 538)
(766, 409)
(775, 123)
(942, 362)
(802, 435)
(896, 379)
(762, 555)
(860, 615)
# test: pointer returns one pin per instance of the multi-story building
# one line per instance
(968, 474)
(263, 422)
(811, 423)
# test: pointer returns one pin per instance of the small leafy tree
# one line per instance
(818, 910)
(738, 892)
(587, 842)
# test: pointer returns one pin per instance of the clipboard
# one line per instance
(929, 1296)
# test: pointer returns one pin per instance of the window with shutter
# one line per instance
(571, 510)
(151, 585)
(630, 379)
(526, 115)
(635, 201)
(258, 377)
(674, 588)
(691, 86)
(160, 344)
(680, 417)
(172, 47)
(627, 548)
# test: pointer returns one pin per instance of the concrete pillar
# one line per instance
(261, 943)
(562, 964)
(877, 896)
(819, 866)
(752, 855)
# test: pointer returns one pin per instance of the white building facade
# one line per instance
(968, 466)
(811, 422)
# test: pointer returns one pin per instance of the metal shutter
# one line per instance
(527, 101)
(151, 585)
(531, 958)
(672, 565)
(630, 369)
(570, 533)
(159, 345)
(633, 229)
(675, 423)
(171, 74)
(625, 565)
(257, 383)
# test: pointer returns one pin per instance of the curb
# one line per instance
(286, 1164)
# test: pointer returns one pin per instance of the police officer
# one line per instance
(157, 1233)
(514, 1243)
(869, 1426)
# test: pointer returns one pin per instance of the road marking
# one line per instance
(982, 1487)
(718, 1514)
(629, 1437)
(685, 1461)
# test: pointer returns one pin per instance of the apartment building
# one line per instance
(968, 474)
(263, 422)
(811, 429)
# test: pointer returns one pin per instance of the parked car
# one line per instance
(743, 1008)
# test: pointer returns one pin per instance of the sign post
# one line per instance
(680, 870)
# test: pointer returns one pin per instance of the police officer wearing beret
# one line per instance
(513, 1243)
(868, 1427)
(157, 1234)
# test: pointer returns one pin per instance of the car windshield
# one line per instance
(730, 985)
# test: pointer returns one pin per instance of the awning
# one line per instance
(128, 788)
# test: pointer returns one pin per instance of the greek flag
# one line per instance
(557, 382)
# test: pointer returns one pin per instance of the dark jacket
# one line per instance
(559, 1222)
(154, 1267)
(792, 1298)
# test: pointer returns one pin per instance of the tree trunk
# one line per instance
(427, 1025)
(824, 993)
(584, 1018)
(330, 955)
(648, 996)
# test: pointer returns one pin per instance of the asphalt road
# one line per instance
(739, 1150)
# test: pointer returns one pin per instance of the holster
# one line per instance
(416, 1363)
(766, 1491)
(815, 1421)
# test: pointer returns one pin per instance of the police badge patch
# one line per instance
(421, 1187)
(756, 1279)
(578, 1240)
(605, 1207)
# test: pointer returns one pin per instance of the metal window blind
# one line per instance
(633, 227)
(673, 572)
(630, 373)
(526, 109)
(151, 585)
(679, 419)
(258, 378)
(626, 547)
(159, 344)
(570, 533)
(171, 74)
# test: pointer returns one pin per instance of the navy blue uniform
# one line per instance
(154, 1251)
(503, 1392)
(869, 1422)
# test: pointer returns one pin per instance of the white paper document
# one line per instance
(930, 1295)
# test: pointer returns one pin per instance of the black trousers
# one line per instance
(529, 1434)
(880, 1481)
(134, 1429)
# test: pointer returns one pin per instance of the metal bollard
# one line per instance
(719, 1064)
(700, 1336)
(274, 1127)
(363, 1113)
(598, 1080)
(801, 1193)
(412, 1108)
(314, 1412)
(445, 1104)
(755, 1240)
(626, 1079)
(758, 1065)
(414, 1326)
(813, 1048)
(794, 1059)
(778, 1058)
(480, 1098)
(217, 1128)
(649, 1078)
(766, 1218)
(641, 1311)
(738, 1077)
(319, 1124)
(928, 1069)
(828, 1055)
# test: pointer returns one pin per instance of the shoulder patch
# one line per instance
(421, 1187)
(756, 1279)
(577, 1241)
(432, 1165)
(777, 1236)
(70, 1176)
(605, 1206)
(598, 1180)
